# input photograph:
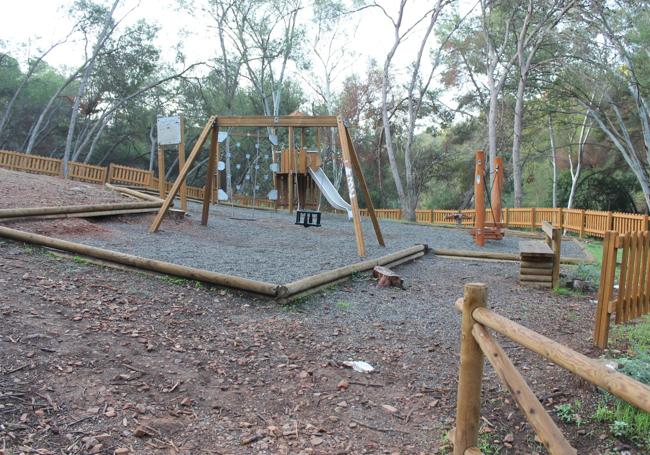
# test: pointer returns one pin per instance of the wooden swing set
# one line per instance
(350, 163)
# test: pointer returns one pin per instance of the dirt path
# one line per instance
(96, 359)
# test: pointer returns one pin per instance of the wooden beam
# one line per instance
(547, 431)
(168, 268)
(470, 376)
(181, 163)
(212, 162)
(262, 121)
(349, 177)
(364, 189)
(594, 371)
(161, 172)
(183, 173)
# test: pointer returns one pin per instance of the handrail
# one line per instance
(476, 341)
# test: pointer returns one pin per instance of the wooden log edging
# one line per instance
(98, 213)
(303, 284)
(154, 265)
(131, 192)
(498, 256)
(40, 211)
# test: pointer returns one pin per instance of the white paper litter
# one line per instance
(359, 365)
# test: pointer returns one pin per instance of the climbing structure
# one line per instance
(293, 167)
(491, 230)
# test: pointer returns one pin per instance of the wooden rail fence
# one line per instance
(478, 343)
(633, 296)
(582, 222)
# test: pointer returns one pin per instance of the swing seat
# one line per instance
(306, 218)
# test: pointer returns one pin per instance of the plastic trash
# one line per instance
(359, 366)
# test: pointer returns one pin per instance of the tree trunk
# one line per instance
(516, 141)
(152, 148)
(553, 159)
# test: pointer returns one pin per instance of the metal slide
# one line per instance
(330, 193)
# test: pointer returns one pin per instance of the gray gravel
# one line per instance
(270, 247)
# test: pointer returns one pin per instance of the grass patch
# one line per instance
(174, 280)
(80, 260)
(486, 446)
(343, 305)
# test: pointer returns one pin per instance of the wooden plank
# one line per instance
(325, 121)
(545, 428)
(535, 248)
(547, 228)
(212, 163)
(621, 306)
(536, 271)
(636, 276)
(592, 370)
(470, 376)
(349, 177)
(536, 278)
(537, 265)
(607, 274)
(556, 246)
(183, 174)
(364, 189)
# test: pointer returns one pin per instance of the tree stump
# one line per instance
(387, 277)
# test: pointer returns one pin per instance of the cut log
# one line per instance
(387, 277)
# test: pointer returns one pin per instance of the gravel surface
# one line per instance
(270, 247)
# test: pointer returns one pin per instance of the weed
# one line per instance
(28, 249)
(52, 255)
(602, 413)
(343, 305)
(560, 290)
(485, 445)
(175, 280)
(198, 285)
(636, 334)
(568, 413)
(80, 260)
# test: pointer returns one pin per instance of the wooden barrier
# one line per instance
(582, 222)
(633, 298)
(477, 343)
(540, 260)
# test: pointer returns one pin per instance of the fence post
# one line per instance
(610, 222)
(582, 223)
(532, 219)
(468, 402)
(560, 217)
(506, 217)
(607, 276)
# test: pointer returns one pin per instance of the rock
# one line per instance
(110, 412)
(343, 384)
(93, 410)
(97, 448)
(141, 432)
(388, 408)
(121, 451)
(316, 441)
(509, 438)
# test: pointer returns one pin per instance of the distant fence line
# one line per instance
(582, 222)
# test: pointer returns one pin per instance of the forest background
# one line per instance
(558, 88)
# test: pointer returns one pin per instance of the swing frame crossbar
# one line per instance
(350, 162)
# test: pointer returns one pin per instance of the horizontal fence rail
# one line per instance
(582, 222)
(478, 344)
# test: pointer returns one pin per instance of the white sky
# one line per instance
(42, 22)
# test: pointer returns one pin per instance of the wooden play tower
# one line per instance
(292, 163)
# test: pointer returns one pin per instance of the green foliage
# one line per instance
(80, 260)
(611, 189)
(343, 305)
(175, 280)
(486, 446)
(569, 412)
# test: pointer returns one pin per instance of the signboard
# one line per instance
(169, 130)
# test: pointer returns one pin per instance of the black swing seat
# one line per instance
(306, 218)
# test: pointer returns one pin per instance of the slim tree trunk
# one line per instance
(553, 159)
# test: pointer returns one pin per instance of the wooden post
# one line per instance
(506, 217)
(161, 172)
(610, 222)
(181, 163)
(560, 214)
(292, 160)
(349, 176)
(533, 215)
(468, 401)
(556, 244)
(479, 199)
(109, 176)
(364, 189)
(582, 223)
(212, 160)
(183, 173)
(544, 426)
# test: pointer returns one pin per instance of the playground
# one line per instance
(142, 324)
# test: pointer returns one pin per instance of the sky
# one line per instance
(38, 23)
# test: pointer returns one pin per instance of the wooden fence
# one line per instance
(633, 296)
(582, 222)
(477, 344)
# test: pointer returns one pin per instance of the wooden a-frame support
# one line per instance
(350, 162)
